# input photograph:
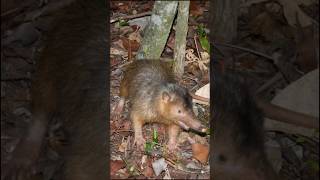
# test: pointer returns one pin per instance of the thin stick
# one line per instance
(9, 12)
(17, 79)
(200, 98)
(131, 17)
(172, 164)
(195, 41)
(118, 131)
(271, 81)
(278, 113)
(245, 49)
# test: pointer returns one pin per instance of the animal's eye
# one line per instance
(179, 111)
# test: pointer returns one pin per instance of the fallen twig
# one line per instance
(130, 17)
(200, 98)
(11, 11)
(266, 85)
(282, 114)
(195, 42)
(181, 168)
(117, 131)
(246, 49)
(17, 79)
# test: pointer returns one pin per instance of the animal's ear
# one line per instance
(166, 97)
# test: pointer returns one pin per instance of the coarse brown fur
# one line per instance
(155, 96)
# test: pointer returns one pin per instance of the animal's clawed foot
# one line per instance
(173, 146)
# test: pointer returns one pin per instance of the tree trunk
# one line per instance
(158, 29)
(181, 34)
(225, 20)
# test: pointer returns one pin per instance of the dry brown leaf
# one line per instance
(124, 30)
(135, 27)
(292, 12)
(306, 53)
(307, 2)
(123, 7)
(200, 152)
(200, 139)
(148, 172)
(267, 27)
(135, 36)
(147, 6)
(117, 124)
(113, 62)
(112, 126)
(194, 70)
(143, 161)
(134, 46)
(291, 9)
(204, 92)
(123, 146)
(126, 125)
(115, 165)
(121, 174)
(125, 42)
(130, 45)
(118, 43)
(114, 51)
(205, 56)
(196, 9)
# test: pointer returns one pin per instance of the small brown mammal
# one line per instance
(156, 97)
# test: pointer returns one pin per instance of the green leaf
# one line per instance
(200, 31)
(123, 23)
(204, 43)
(148, 147)
(155, 136)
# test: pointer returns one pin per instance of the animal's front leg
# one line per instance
(173, 131)
(137, 127)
